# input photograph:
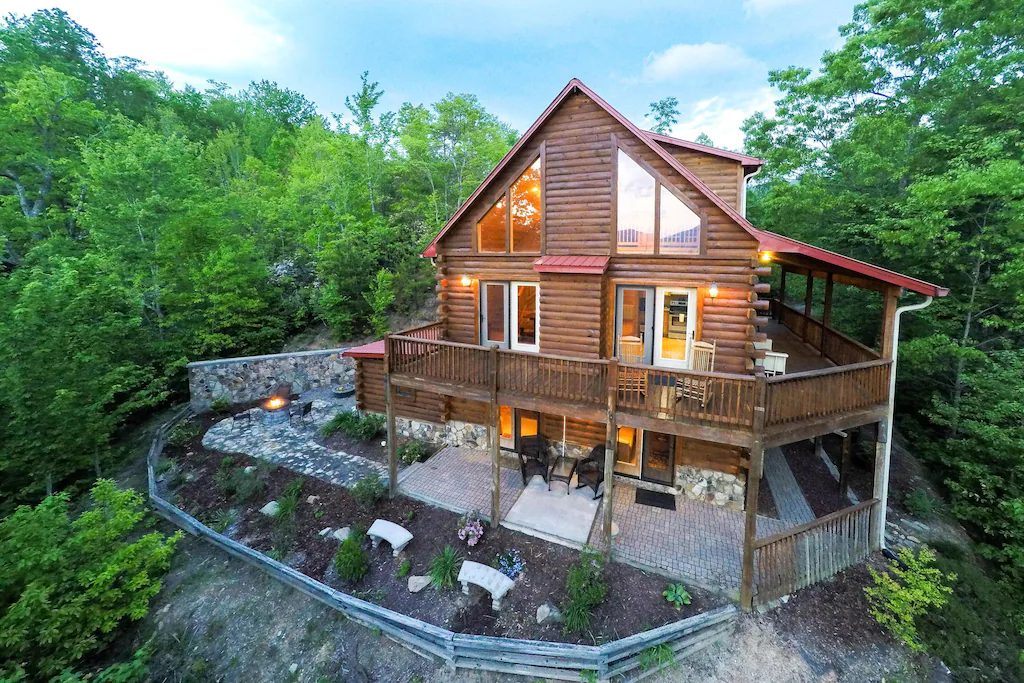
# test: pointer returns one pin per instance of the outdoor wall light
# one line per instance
(466, 282)
(713, 290)
(766, 257)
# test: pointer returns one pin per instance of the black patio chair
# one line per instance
(301, 411)
(239, 418)
(590, 470)
(533, 457)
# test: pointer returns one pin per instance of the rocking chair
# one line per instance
(699, 388)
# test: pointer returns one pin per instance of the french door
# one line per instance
(515, 423)
(647, 455)
(655, 325)
(509, 315)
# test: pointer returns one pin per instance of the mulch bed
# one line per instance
(765, 502)
(371, 450)
(816, 482)
(634, 601)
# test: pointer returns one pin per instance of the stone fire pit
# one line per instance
(275, 410)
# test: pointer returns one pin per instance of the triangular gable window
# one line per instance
(521, 205)
(651, 218)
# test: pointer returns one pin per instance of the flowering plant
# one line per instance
(509, 563)
(471, 529)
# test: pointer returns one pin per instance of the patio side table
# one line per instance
(561, 470)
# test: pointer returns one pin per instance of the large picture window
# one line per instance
(651, 218)
(513, 223)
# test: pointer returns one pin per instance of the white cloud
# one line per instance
(721, 119)
(685, 60)
(180, 36)
(764, 7)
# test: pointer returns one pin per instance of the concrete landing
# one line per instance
(553, 515)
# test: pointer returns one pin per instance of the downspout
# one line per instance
(743, 195)
(887, 448)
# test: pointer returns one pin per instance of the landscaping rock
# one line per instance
(312, 500)
(418, 583)
(250, 469)
(549, 614)
(270, 509)
(325, 531)
(342, 533)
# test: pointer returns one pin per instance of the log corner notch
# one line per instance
(392, 437)
(754, 474)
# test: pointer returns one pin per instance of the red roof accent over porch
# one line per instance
(585, 265)
(371, 350)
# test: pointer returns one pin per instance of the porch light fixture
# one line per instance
(766, 257)
(466, 282)
(713, 290)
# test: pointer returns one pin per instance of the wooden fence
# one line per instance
(816, 394)
(804, 555)
(621, 660)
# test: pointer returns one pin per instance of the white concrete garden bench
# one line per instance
(390, 532)
(491, 580)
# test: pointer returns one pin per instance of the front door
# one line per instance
(659, 458)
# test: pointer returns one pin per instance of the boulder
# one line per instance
(250, 469)
(325, 531)
(270, 509)
(418, 583)
(549, 614)
(312, 500)
(342, 533)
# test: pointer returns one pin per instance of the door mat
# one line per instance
(655, 499)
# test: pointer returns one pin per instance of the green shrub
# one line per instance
(183, 432)
(67, 584)
(247, 484)
(288, 502)
(223, 478)
(901, 596)
(443, 569)
(404, 569)
(220, 405)
(368, 490)
(584, 590)
(412, 452)
(351, 561)
(370, 426)
(350, 423)
(920, 503)
(165, 466)
(221, 520)
(344, 422)
(677, 595)
(658, 657)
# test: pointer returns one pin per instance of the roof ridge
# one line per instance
(745, 159)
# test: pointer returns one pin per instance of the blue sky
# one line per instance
(515, 56)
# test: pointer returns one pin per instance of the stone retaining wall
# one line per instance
(711, 486)
(240, 380)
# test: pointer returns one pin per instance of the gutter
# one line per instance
(743, 196)
(883, 495)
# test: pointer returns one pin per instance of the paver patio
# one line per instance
(459, 479)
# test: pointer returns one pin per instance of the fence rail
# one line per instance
(802, 556)
(823, 393)
(834, 345)
(433, 331)
(714, 398)
(620, 660)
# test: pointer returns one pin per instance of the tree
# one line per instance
(68, 583)
(665, 113)
(704, 139)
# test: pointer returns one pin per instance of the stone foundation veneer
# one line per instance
(251, 378)
(452, 433)
(711, 486)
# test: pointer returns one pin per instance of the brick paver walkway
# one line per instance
(459, 479)
(789, 499)
(697, 543)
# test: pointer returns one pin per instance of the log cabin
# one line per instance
(602, 287)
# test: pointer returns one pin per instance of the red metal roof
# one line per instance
(371, 350)
(744, 159)
(767, 241)
(588, 265)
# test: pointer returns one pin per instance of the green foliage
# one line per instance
(584, 590)
(369, 490)
(345, 421)
(657, 657)
(404, 569)
(588, 676)
(351, 423)
(221, 520)
(900, 597)
(920, 503)
(220, 405)
(288, 502)
(665, 113)
(380, 297)
(135, 670)
(67, 584)
(351, 561)
(247, 485)
(677, 595)
(443, 569)
(183, 432)
(412, 452)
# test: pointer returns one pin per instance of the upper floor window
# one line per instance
(651, 218)
(520, 205)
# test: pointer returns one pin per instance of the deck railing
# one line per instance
(440, 361)
(433, 331)
(573, 380)
(717, 398)
(801, 556)
(823, 393)
(834, 345)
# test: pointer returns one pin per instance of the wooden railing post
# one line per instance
(389, 408)
(495, 439)
(753, 486)
(609, 455)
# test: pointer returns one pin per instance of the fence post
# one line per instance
(609, 455)
(753, 484)
(389, 407)
(495, 439)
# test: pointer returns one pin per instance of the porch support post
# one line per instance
(609, 455)
(844, 463)
(892, 295)
(809, 293)
(826, 316)
(389, 408)
(879, 490)
(753, 486)
(494, 437)
(782, 291)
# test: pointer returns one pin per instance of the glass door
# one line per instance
(659, 457)
(506, 428)
(674, 326)
(524, 316)
(634, 325)
(494, 314)
(627, 451)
